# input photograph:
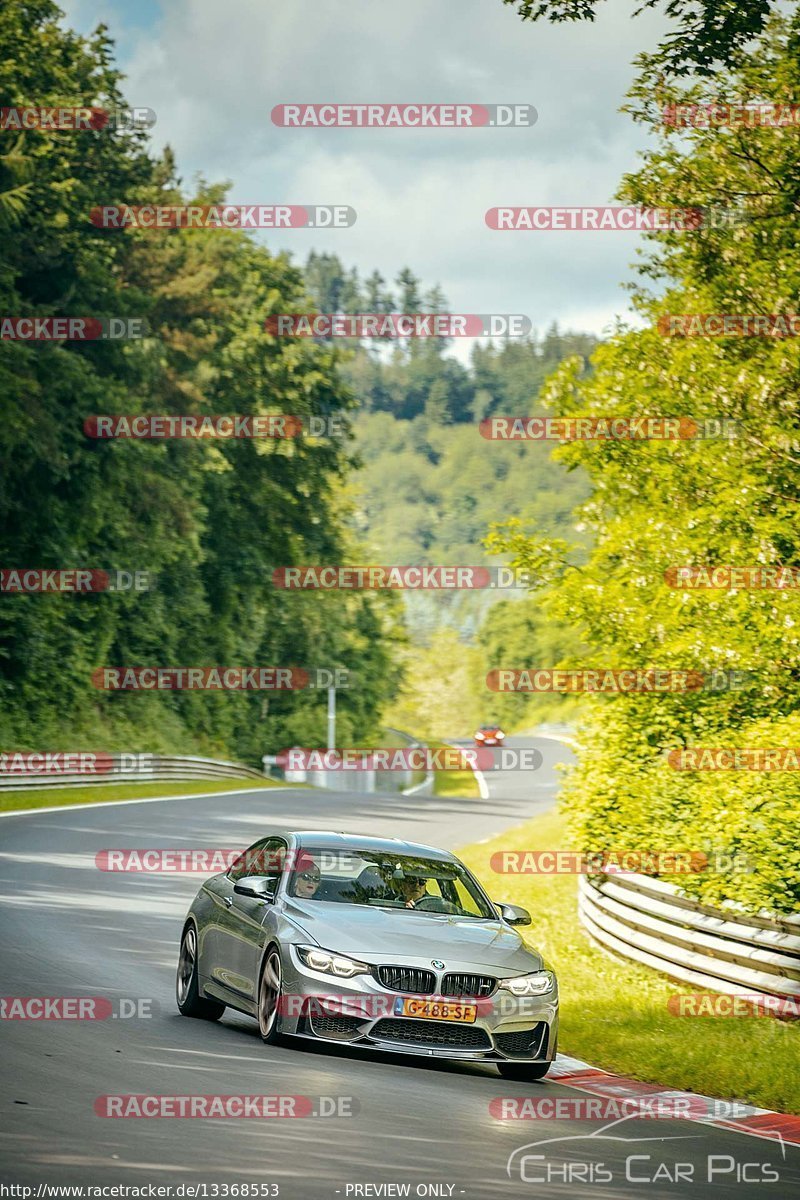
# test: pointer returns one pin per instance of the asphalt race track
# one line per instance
(71, 929)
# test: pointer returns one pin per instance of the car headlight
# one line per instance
(479, 736)
(330, 963)
(500, 734)
(530, 985)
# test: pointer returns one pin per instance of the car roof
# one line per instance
(328, 839)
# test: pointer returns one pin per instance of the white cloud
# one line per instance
(213, 73)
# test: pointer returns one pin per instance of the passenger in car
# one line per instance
(306, 877)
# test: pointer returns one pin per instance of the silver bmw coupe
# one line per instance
(370, 942)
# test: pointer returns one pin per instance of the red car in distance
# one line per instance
(489, 735)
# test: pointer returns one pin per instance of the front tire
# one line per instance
(524, 1072)
(270, 990)
(187, 986)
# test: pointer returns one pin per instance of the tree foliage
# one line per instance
(207, 520)
(707, 34)
(657, 505)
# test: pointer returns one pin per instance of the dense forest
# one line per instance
(206, 520)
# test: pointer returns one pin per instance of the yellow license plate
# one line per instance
(436, 1010)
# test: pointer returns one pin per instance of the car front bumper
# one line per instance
(361, 1012)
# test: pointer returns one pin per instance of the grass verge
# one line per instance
(453, 783)
(614, 1013)
(95, 792)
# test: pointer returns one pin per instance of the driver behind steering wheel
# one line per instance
(413, 890)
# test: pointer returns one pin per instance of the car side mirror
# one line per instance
(513, 914)
(258, 887)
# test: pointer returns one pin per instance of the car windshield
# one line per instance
(387, 880)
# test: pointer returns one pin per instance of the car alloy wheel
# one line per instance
(187, 986)
(186, 965)
(269, 994)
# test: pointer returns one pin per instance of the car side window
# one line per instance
(266, 857)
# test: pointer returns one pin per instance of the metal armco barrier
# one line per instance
(362, 781)
(161, 768)
(726, 950)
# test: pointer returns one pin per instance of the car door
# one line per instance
(240, 930)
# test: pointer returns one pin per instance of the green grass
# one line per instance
(95, 792)
(453, 783)
(614, 1013)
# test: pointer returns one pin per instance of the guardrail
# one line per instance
(156, 768)
(367, 781)
(724, 949)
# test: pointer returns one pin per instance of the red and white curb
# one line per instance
(756, 1122)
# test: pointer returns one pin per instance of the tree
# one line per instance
(708, 34)
(705, 500)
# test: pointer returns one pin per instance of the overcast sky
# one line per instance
(213, 72)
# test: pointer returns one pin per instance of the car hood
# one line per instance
(385, 935)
